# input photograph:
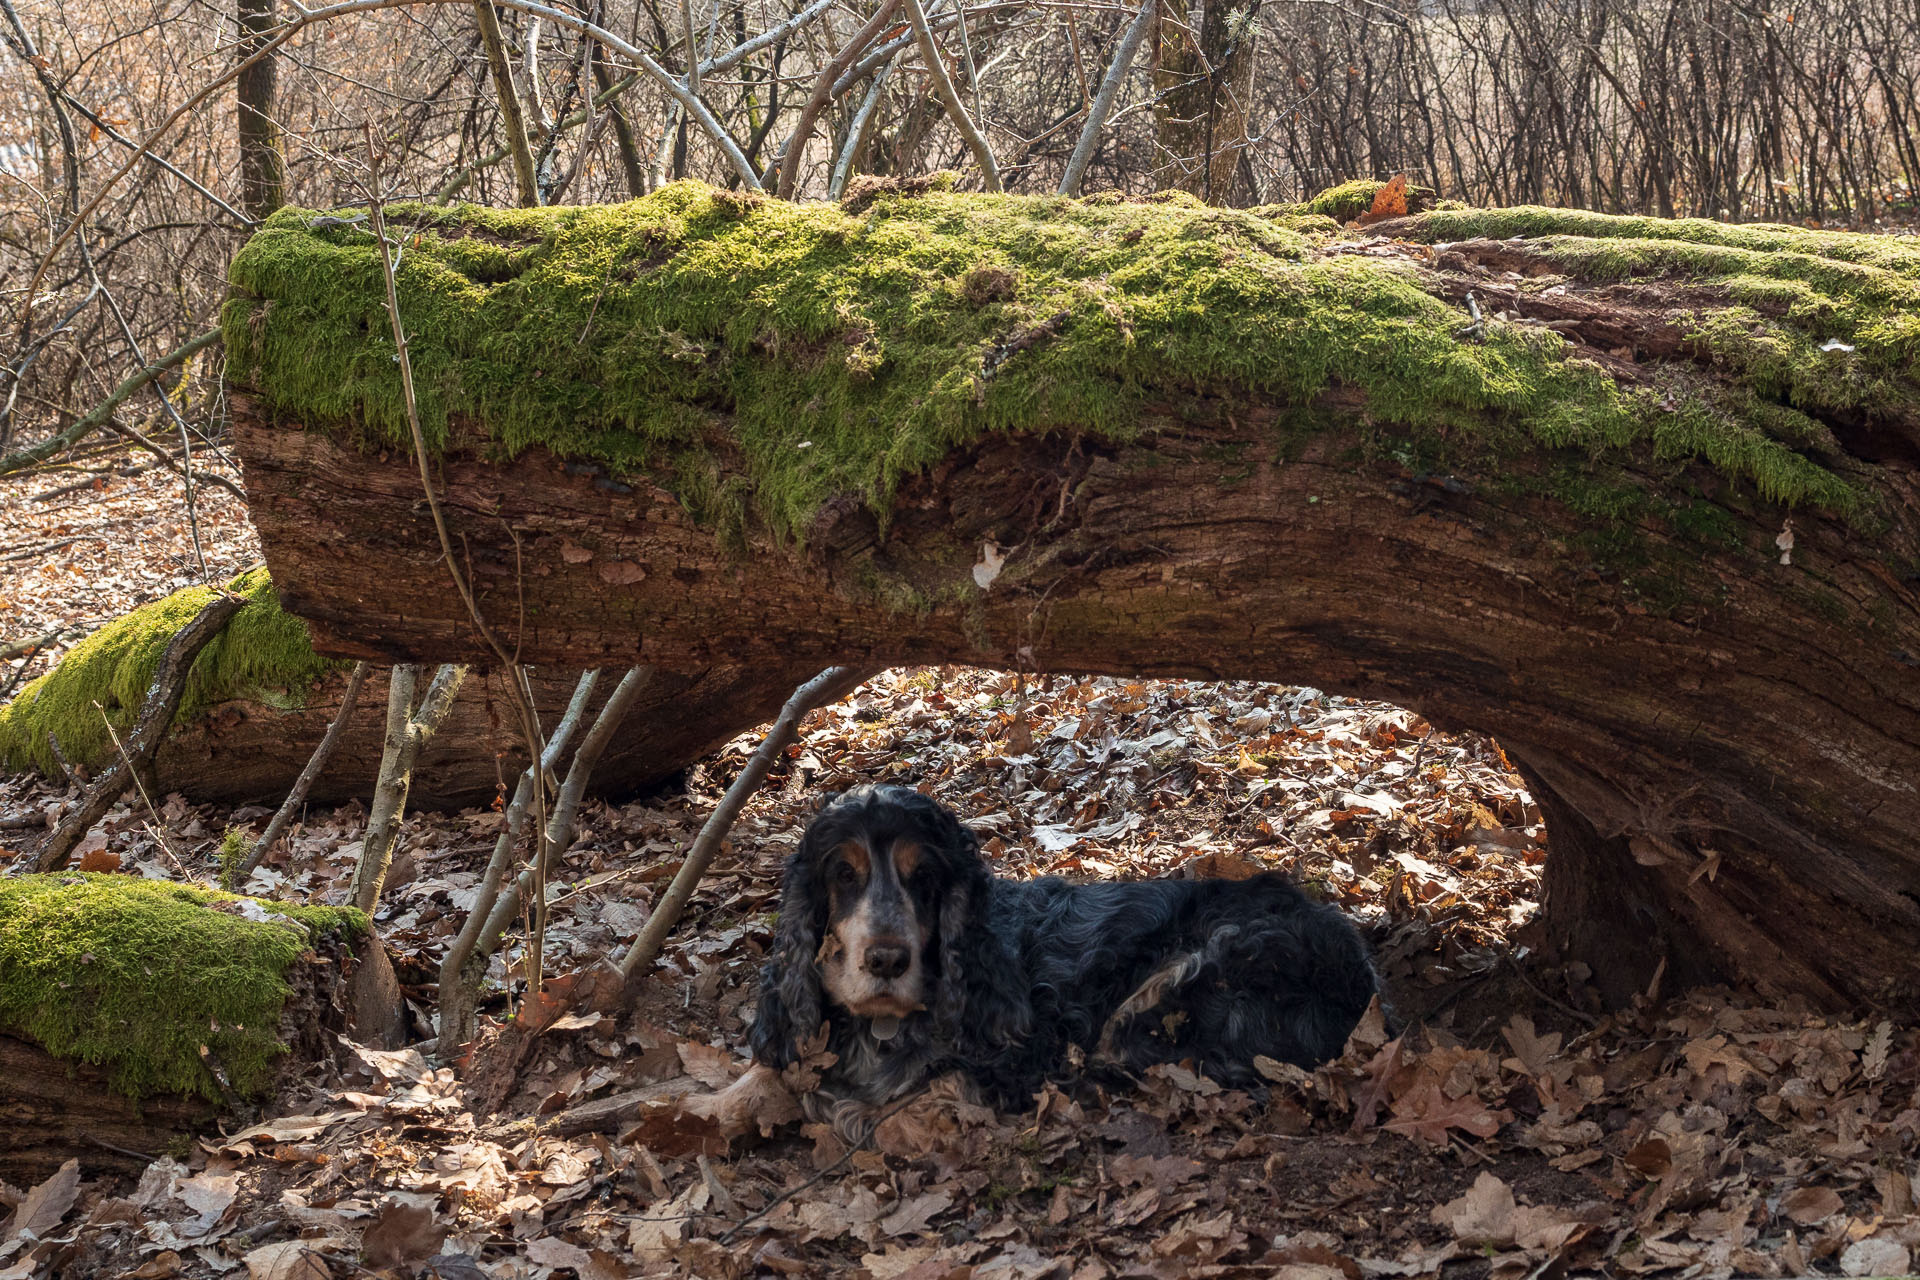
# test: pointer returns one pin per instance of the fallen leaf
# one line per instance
(47, 1203)
(551, 1251)
(405, 1231)
(912, 1216)
(1390, 201)
(1808, 1205)
(1876, 1256)
(707, 1064)
(1483, 1215)
(291, 1260)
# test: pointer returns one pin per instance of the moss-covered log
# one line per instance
(133, 1011)
(1651, 520)
(260, 699)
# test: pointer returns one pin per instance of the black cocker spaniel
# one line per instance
(895, 936)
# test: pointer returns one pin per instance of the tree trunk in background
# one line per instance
(1202, 90)
(263, 165)
(513, 118)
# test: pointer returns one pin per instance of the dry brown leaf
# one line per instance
(1483, 1215)
(1426, 1112)
(1809, 1205)
(46, 1204)
(403, 1231)
(1531, 1051)
(161, 1266)
(291, 1260)
(552, 1251)
(1390, 201)
(99, 860)
(706, 1063)
(1876, 1256)
(913, 1216)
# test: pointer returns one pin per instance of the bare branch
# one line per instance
(1103, 101)
(950, 98)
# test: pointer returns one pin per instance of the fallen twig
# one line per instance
(829, 686)
(315, 763)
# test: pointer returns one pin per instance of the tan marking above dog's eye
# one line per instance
(906, 858)
(852, 865)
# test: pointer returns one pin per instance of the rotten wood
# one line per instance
(250, 752)
(54, 1109)
(1770, 743)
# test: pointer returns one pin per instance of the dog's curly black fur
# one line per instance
(1010, 973)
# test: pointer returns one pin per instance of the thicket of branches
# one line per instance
(138, 144)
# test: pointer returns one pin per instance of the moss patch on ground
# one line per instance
(264, 654)
(758, 358)
(140, 976)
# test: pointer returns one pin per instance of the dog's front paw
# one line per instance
(759, 1099)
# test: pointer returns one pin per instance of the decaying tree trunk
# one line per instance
(246, 751)
(251, 747)
(135, 765)
(56, 1106)
(1650, 520)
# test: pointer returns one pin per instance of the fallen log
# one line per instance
(1645, 510)
(133, 1012)
(135, 763)
(261, 698)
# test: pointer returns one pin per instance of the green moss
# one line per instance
(263, 654)
(139, 976)
(1885, 253)
(1349, 200)
(759, 358)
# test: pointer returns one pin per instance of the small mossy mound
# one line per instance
(141, 976)
(758, 358)
(264, 654)
(1350, 200)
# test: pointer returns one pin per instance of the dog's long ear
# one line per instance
(982, 1008)
(789, 1010)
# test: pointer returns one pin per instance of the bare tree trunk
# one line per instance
(263, 164)
(632, 164)
(513, 119)
(1202, 76)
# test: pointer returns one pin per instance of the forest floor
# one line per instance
(1514, 1130)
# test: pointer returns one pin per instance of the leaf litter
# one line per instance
(1515, 1129)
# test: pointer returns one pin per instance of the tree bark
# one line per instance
(1202, 81)
(1713, 695)
(249, 752)
(263, 163)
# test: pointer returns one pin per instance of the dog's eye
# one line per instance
(845, 874)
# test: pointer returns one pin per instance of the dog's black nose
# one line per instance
(887, 960)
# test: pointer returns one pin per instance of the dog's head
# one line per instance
(882, 917)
